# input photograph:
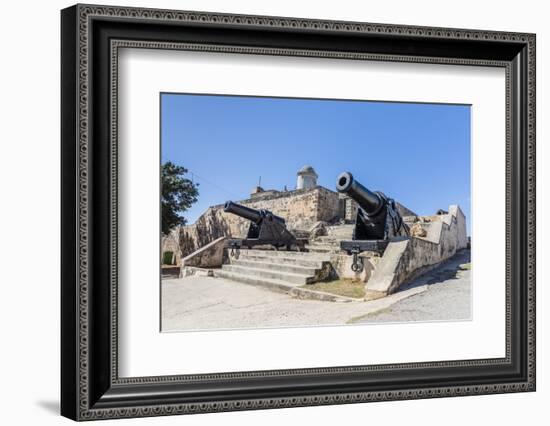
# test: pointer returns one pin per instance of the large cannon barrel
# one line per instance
(253, 215)
(243, 211)
(369, 201)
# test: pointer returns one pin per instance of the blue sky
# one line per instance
(418, 154)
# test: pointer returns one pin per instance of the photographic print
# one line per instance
(292, 191)
(295, 212)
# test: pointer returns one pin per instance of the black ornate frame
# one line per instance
(91, 37)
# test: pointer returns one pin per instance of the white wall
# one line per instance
(29, 185)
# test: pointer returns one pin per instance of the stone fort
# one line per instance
(304, 208)
(324, 218)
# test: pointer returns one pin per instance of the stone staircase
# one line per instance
(285, 270)
(330, 243)
(340, 232)
(323, 245)
(277, 270)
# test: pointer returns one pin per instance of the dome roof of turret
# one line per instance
(307, 170)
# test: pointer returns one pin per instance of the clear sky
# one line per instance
(418, 154)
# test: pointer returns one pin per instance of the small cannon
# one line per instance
(377, 220)
(265, 229)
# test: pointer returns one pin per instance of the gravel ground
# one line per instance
(207, 303)
(448, 296)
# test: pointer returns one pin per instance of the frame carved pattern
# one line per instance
(86, 13)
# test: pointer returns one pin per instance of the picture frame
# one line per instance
(90, 384)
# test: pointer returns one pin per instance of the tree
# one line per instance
(178, 195)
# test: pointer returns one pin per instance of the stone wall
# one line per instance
(328, 206)
(209, 256)
(300, 208)
(406, 258)
(170, 242)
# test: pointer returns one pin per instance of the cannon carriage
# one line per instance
(265, 228)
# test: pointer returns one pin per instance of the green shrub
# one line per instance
(168, 258)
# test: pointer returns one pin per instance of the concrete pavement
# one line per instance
(208, 303)
(448, 296)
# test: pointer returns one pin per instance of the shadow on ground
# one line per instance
(51, 407)
(449, 270)
(447, 296)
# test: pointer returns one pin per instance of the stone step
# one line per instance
(327, 239)
(277, 266)
(340, 231)
(341, 236)
(322, 244)
(282, 253)
(314, 261)
(288, 277)
(323, 248)
(271, 284)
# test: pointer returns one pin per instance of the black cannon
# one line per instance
(376, 222)
(265, 229)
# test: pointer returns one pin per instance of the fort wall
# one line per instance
(301, 209)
